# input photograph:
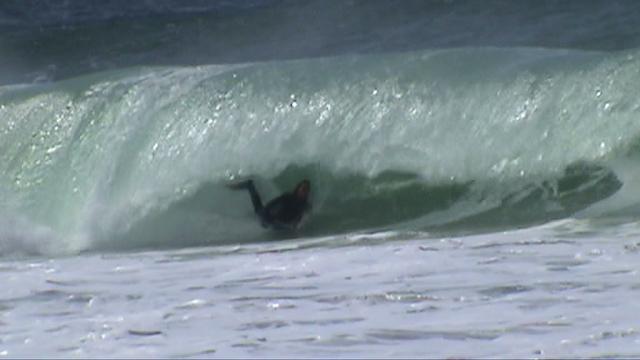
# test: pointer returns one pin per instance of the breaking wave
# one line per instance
(457, 140)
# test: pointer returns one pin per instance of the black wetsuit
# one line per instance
(283, 212)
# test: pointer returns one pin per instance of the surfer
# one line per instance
(283, 212)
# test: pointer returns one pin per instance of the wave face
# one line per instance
(458, 140)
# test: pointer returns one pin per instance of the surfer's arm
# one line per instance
(255, 197)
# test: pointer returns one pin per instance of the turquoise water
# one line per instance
(139, 157)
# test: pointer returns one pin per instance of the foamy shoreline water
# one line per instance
(538, 292)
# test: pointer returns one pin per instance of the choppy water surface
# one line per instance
(562, 290)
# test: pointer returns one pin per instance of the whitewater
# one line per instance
(474, 192)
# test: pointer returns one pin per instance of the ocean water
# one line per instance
(474, 167)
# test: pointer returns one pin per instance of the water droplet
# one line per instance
(273, 305)
(499, 167)
(53, 149)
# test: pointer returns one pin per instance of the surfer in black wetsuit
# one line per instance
(283, 212)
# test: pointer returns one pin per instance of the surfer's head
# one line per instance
(302, 189)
